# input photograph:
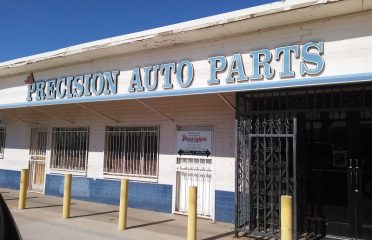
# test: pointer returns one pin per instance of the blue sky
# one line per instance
(34, 26)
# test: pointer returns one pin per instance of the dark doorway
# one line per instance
(332, 176)
(338, 173)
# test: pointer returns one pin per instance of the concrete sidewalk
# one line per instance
(43, 220)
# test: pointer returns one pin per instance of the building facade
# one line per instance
(248, 105)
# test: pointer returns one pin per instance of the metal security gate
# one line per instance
(266, 169)
(37, 158)
(293, 141)
(194, 171)
(132, 151)
(69, 149)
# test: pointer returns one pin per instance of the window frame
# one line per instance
(137, 176)
(2, 142)
(55, 162)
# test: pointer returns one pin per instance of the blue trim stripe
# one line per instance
(149, 196)
(9, 179)
(225, 206)
(247, 86)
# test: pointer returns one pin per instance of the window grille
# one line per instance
(70, 148)
(38, 143)
(2, 142)
(132, 151)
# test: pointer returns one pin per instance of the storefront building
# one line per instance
(248, 105)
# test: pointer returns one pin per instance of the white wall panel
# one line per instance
(203, 109)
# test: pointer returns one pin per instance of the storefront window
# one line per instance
(132, 151)
(2, 142)
(70, 148)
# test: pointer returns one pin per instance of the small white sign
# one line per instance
(194, 142)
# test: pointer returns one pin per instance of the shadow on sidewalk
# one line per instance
(220, 235)
(17, 198)
(151, 223)
(48, 206)
(94, 214)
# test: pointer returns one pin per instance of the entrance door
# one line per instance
(195, 168)
(194, 171)
(338, 172)
(363, 177)
(37, 158)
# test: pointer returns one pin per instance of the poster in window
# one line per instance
(194, 143)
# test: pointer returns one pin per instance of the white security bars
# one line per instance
(70, 148)
(194, 171)
(132, 151)
(37, 156)
(2, 142)
(38, 143)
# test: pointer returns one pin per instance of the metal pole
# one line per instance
(236, 178)
(123, 210)
(191, 223)
(67, 196)
(295, 172)
(286, 218)
(23, 185)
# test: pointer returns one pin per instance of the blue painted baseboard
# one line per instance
(149, 196)
(9, 179)
(225, 206)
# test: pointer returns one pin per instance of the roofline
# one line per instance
(259, 18)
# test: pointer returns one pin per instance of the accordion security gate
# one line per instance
(266, 169)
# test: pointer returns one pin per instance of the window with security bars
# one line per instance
(132, 151)
(2, 142)
(70, 148)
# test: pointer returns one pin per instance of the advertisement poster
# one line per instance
(194, 143)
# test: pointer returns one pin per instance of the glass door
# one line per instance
(327, 151)
(363, 178)
(339, 173)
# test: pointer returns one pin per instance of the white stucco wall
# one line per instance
(348, 50)
(190, 110)
(16, 152)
